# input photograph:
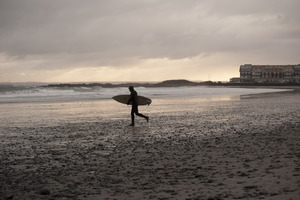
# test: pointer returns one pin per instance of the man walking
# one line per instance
(134, 109)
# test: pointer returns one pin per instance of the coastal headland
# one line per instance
(173, 83)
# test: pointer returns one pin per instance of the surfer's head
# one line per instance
(130, 88)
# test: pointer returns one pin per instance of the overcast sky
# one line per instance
(144, 40)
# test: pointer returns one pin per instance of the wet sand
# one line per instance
(190, 149)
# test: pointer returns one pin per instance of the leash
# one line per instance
(129, 106)
(146, 108)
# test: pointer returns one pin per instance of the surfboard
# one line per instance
(140, 99)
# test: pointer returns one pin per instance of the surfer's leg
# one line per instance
(144, 116)
(140, 114)
(132, 117)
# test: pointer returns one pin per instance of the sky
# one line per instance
(144, 40)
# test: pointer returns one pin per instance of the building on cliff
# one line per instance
(268, 74)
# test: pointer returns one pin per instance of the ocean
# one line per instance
(33, 105)
(37, 93)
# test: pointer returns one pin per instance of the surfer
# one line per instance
(134, 108)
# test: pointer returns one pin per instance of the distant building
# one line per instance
(235, 80)
(269, 74)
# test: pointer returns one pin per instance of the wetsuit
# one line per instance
(134, 109)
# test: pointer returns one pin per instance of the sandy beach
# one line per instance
(236, 148)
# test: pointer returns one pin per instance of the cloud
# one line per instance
(97, 33)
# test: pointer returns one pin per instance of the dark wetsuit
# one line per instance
(134, 109)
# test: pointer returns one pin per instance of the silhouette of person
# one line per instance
(134, 108)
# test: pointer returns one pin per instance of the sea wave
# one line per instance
(33, 93)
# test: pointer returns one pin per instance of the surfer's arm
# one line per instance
(130, 99)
